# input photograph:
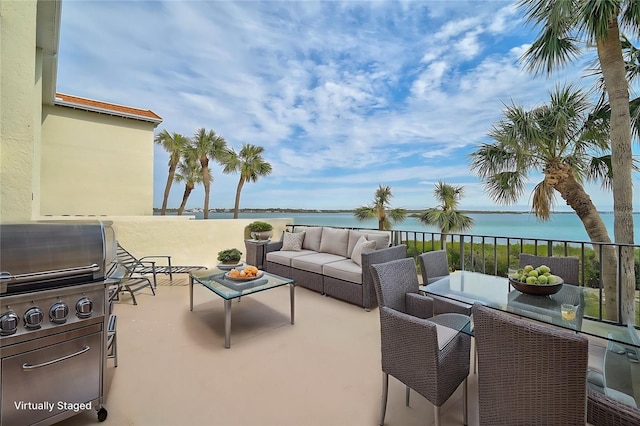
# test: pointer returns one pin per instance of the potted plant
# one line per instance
(260, 230)
(229, 256)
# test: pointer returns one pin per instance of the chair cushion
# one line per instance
(314, 262)
(345, 270)
(334, 241)
(282, 257)
(362, 245)
(292, 241)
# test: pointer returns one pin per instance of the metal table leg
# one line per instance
(190, 292)
(292, 288)
(227, 323)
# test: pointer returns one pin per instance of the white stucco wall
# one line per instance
(188, 242)
(95, 164)
(20, 108)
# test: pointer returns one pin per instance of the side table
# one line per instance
(256, 252)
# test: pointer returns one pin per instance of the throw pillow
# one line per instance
(292, 241)
(362, 245)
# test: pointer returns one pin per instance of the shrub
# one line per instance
(258, 226)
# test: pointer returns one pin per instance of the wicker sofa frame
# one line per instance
(361, 294)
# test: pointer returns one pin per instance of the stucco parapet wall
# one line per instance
(188, 241)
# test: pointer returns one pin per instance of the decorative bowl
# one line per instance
(242, 279)
(537, 289)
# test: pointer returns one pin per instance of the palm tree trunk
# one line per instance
(187, 191)
(613, 70)
(236, 208)
(167, 187)
(561, 178)
(207, 186)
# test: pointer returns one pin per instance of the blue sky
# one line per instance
(343, 95)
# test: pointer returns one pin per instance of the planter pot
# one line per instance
(263, 235)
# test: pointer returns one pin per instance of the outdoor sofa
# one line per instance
(333, 261)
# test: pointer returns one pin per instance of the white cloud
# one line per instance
(342, 95)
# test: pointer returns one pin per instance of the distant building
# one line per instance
(63, 154)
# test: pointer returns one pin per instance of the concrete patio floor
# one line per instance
(173, 368)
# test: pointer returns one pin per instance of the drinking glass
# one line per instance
(568, 311)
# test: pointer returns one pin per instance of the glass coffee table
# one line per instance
(215, 280)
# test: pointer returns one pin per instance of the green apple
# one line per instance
(532, 280)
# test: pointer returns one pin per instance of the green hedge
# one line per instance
(490, 254)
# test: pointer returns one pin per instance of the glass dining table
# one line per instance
(496, 292)
(620, 375)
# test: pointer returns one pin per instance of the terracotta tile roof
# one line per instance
(106, 108)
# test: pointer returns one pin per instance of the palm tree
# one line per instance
(446, 216)
(189, 172)
(249, 164)
(565, 25)
(208, 146)
(568, 145)
(173, 143)
(380, 209)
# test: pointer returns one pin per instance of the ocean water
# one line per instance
(561, 226)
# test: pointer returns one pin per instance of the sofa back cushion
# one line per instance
(334, 241)
(382, 238)
(312, 236)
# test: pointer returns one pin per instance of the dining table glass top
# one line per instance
(496, 292)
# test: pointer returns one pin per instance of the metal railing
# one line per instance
(494, 255)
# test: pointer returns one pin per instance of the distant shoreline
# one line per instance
(287, 210)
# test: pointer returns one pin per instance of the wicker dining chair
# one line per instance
(425, 353)
(567, 268)
(605, 411)
(434, 265)
(529, 373)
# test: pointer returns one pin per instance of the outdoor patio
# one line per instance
(173, 368)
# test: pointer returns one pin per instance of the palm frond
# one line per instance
(505, 187)
(543, 200)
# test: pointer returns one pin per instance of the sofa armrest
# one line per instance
(275, 246)
(371, 258)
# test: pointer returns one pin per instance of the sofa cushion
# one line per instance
(284, 257)
(312, 237)
(354, 236)
(334, 241)
(345, 270)
(382, 238)
(361, 246)
(314, 262)
(292, 241)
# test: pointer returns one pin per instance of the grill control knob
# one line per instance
(58, 313)
(8, 323)
(84, 308)
(33, 318)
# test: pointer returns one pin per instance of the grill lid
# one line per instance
(38, 256)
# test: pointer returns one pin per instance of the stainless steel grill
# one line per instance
(52, 321)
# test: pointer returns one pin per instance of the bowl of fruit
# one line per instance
(536, 281)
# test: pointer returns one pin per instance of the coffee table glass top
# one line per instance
(215, 281)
